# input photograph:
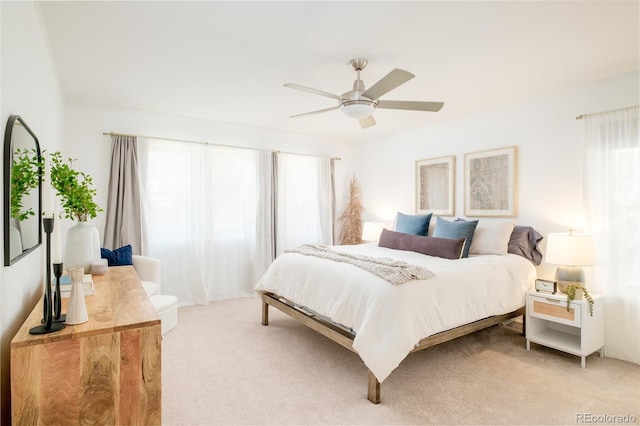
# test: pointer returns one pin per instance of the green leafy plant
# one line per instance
(571, 295)
(75, 189)
(25, 173)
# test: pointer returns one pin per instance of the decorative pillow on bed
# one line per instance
(461, 229)
(413, 224)
(118, 257)
(524, 242)
(440, 247)
(491, 238)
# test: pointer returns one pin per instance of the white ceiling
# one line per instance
(227, 61)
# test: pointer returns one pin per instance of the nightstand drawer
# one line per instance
(555, 310)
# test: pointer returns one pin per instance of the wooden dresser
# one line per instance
(105, 371)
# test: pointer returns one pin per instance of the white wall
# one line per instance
(550, 157)
(84, 140)
(29, 88)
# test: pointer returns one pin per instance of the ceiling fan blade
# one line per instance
(366, 122)
(387, 83)
(311, 90)
(314, 112)
(411, 105)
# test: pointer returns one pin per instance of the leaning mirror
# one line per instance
(22, 193)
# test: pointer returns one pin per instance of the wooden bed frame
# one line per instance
(344, 337)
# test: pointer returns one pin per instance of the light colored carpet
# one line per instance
(221, 366)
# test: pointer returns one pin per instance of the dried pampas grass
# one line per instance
(350, 220)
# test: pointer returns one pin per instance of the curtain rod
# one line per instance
(209, 143)
(581, 116)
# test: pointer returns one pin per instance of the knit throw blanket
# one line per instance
(394, 271)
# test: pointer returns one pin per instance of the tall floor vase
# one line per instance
(82, 246)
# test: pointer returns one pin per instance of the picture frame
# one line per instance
(435, 186)
(490, 179)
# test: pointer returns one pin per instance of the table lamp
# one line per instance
(570, 251)
(371, 231)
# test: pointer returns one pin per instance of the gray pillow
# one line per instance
(457, 229)
(431, 246)
(524, 242)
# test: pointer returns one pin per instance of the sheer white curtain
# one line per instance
(208, 215)
(612, 196)
(304, 201)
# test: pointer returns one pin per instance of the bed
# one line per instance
(382, 322)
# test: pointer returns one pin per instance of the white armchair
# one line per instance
(149, 271)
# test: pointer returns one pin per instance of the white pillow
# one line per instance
(491, 238)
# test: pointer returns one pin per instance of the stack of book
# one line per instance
(65, 285)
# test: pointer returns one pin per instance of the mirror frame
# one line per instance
(8, 162)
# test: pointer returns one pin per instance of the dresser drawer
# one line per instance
(554, 309)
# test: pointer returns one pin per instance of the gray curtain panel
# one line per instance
(124, 211)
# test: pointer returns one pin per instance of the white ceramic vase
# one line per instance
(77, 308)
(82, 246)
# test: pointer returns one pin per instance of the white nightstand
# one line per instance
(548, 323)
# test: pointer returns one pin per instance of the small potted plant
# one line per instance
(76, 192)
(74, 188)
(574, 289)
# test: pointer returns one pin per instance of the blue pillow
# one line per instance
(462, 229)
(413, 224)
(118, 257)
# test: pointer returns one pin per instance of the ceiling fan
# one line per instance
(360, 103)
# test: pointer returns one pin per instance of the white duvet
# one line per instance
(389, 320)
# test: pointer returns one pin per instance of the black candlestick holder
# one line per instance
(58, 316)
(48, 326)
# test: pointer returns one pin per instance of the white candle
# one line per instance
(47, 206)
(57, 244)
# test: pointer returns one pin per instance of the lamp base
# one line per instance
(566, 275)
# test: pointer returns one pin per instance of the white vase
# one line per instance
(77, 308)
(82, 246)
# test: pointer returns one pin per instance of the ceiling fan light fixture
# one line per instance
(360, 103)
(358, 108)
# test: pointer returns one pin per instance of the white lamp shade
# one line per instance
(371, 231)
(571, 249)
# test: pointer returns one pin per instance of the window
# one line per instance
(210, 212)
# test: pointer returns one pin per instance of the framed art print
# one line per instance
(490, 183)
(435, 186)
